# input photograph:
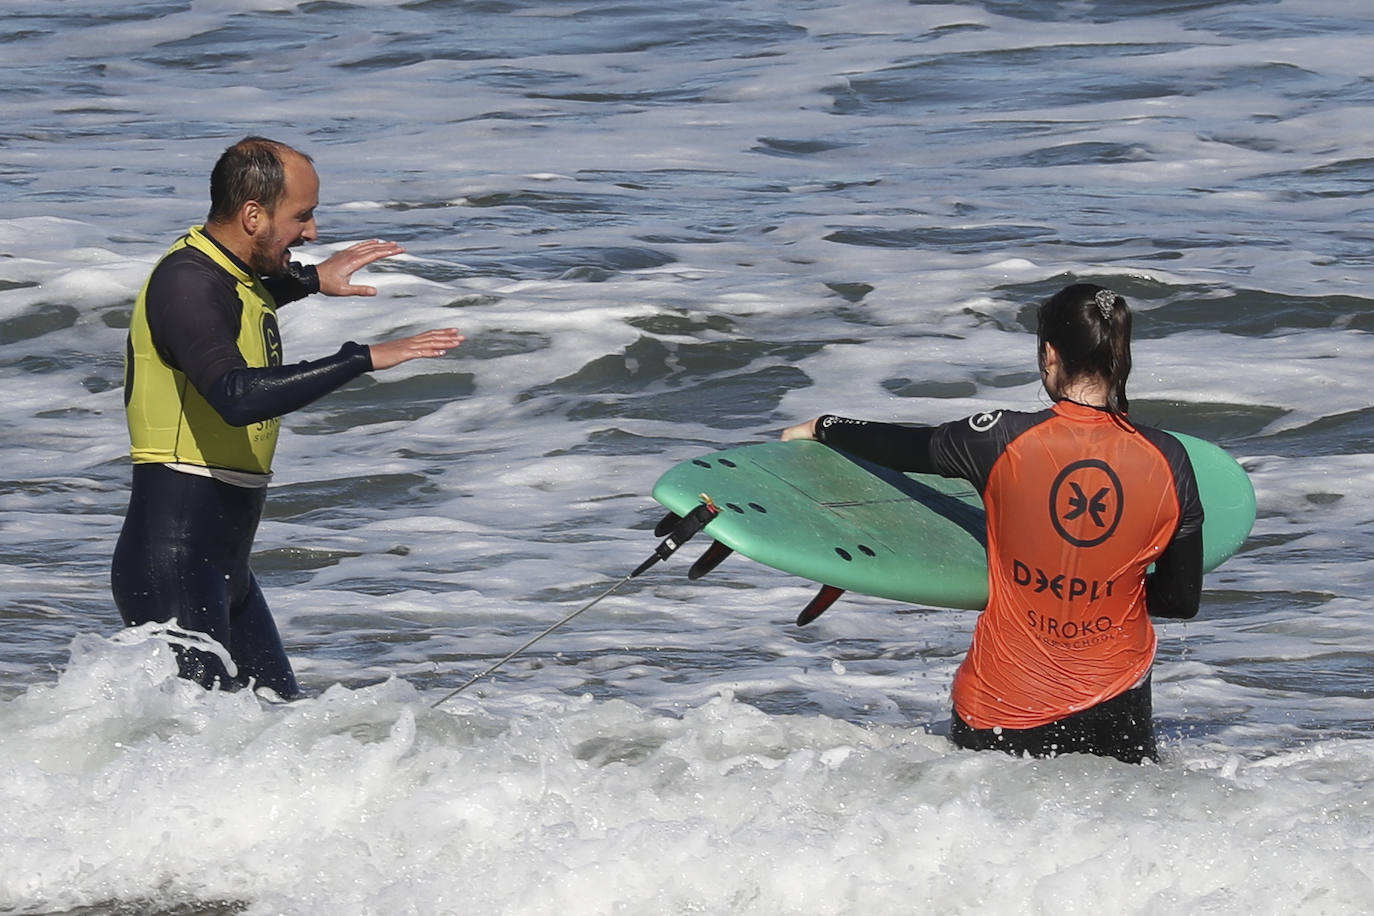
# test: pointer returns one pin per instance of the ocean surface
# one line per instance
(666, 229)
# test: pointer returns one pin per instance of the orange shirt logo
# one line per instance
(1086, 502)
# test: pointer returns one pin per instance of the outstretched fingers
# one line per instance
(336, 271)
(427, 344)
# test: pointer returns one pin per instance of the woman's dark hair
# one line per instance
(251, 169)
(1090, 328)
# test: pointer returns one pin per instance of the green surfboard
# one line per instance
(814, 511)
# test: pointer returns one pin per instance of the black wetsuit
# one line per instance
(183, 552)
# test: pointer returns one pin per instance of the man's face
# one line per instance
(291, 222)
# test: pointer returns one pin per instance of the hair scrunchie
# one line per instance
(1106, 301)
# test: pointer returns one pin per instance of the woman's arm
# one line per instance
(1174, 589)
(901, 448)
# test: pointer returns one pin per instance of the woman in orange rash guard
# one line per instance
(1080, 502)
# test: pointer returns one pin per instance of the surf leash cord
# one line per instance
(682, 531)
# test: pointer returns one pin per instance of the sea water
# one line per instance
(665, 229)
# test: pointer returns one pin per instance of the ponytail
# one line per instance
(1090, 328)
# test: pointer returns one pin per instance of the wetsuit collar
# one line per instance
(1071, 408)
(235, 262)
(1089, 413)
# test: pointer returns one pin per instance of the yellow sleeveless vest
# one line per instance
(169, 421)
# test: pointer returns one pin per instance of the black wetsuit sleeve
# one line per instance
(299, 281)
(193, 316)
(1174, 589)
(245, 395)
(899, 447)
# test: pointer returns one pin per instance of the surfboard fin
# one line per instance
(826, 597)
(666, 524)
(679, 529)
(713, 557)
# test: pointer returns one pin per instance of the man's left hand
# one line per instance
(336, 271)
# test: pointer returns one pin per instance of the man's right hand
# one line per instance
(422, 346)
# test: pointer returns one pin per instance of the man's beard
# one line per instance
(262, 262)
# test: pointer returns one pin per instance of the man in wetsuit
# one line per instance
(205, 387)
(1081, 503)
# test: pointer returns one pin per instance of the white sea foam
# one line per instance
(367, 801)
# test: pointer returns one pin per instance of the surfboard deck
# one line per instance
(819, 513)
